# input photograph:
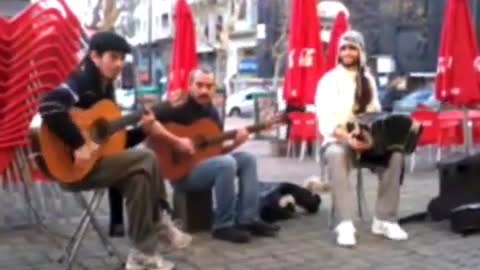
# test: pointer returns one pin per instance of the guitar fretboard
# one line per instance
(125, 121)
(230, 135)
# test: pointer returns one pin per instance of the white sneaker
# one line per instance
(177, 238)
(346, 234)
(390, 230)
(139, 261)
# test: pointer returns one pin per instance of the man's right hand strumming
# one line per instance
(341, 134)
(185, 145)
(351, 139)
(356, 144)
(83, 154)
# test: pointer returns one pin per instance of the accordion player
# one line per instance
(386, 133)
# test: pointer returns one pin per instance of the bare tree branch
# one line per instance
(110, 15)
(96, 15)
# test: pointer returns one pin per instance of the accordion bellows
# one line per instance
(389, 132)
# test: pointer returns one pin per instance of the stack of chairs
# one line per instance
(39, 48)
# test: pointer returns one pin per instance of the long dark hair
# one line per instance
(363, 92)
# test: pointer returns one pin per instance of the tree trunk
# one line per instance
(110, 15)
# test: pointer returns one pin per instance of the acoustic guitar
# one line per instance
(208, 140)
(102, 124)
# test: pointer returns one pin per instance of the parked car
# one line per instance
(410, 102)
(432, 102)
(242, 103)
(389, 97)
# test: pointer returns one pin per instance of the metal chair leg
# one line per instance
(318, 147)
(303, 150)
(412, 161)
(88, 218)
(112, 251)
(361, 198)
(72, 245)
(22, 170)
(289, 148)
(331, 219)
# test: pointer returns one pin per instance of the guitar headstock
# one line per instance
(278, 118)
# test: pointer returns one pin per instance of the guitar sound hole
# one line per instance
(200, 142)
(100, 131)
(176, 157)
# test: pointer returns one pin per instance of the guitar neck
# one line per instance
(125, 121)
(230, 135)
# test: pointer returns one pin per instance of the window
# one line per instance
(249, 97)
(165, 22)
(243, 10)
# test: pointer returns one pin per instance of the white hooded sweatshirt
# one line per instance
(335, 96)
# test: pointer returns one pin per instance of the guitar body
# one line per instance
(175, 165)
(57, 157)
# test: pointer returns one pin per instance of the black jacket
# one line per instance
(82, 89)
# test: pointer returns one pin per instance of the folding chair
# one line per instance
(429, 121)
(88, 217)
(39, 48)
(89, 207)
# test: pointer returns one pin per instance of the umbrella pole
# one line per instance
(467, 131)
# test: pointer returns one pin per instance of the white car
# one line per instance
(242, 102)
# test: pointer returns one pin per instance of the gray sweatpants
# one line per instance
(136, 175)
(339, 158)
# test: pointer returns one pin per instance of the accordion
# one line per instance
(386, 132)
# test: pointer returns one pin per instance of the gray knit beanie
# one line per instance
(354, 38)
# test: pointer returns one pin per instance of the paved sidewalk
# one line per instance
(304, 243)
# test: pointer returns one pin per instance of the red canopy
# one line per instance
(306, 61)
(340, 26)
(458, 62)
(184, 55)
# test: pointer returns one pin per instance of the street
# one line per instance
(344, 58)
(304, 242)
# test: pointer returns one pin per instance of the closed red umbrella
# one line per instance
(459, 62)
(457, 81)
(306, 61)
(340, 26)
(184, 55)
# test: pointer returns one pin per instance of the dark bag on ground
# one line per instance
(459, 194)
(271, 194)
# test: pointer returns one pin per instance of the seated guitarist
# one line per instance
(236, 217)
(347, 90)
(134, 173)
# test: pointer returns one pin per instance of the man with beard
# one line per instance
(236, 216)
(343, 93)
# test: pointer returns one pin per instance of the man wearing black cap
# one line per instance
(134, 173)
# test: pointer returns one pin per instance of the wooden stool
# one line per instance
(194, 209)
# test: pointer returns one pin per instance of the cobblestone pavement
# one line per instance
(304, 242)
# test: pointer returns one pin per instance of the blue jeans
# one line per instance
(220, 173)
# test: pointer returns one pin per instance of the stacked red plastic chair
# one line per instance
(303, 130)
(39, 48)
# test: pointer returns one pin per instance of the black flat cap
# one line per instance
(108, 41)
